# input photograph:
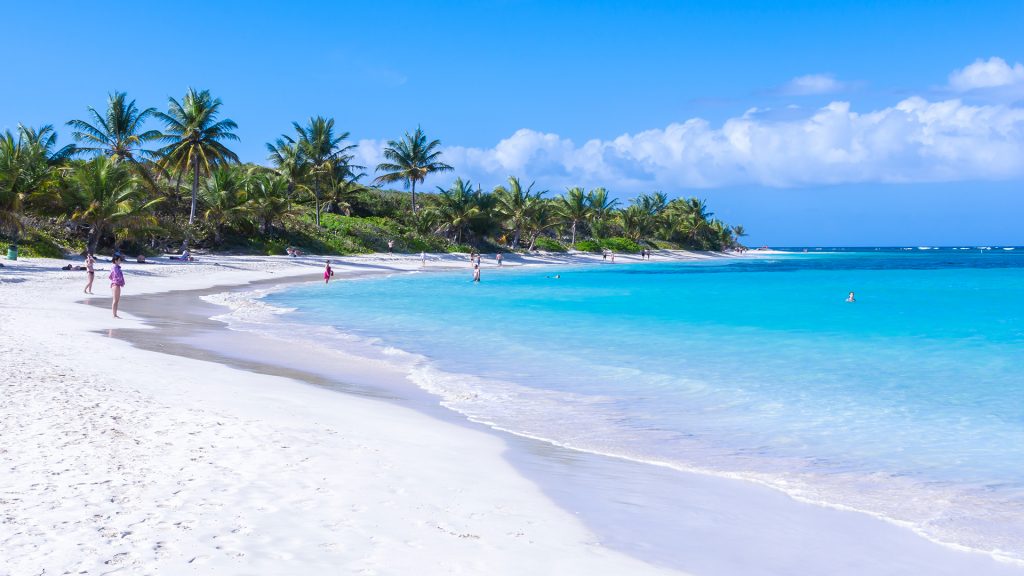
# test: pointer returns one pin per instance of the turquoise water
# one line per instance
(908, 404)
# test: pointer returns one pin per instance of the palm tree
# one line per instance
(410, 160)
(340, 194)
(223, 193)
(11, 183)
(514, 205)
(602, 208)
(323, 154)
(288, 160)
(194, 137)
(573, 207)
(27, 172)
(267, 200)
(106, 196)
(739, 232)
(637, 222)
(540, 216)
(44, 140)
(457, 207)
(117, 133)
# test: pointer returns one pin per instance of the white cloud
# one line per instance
(812, 84)
(916, 140)
(991, 73)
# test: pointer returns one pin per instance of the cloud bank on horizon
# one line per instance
(917, 140)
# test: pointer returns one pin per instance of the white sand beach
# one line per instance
(115, 459)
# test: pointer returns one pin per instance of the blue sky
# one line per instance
(815, 123)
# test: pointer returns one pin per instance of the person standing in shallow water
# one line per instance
(476, 272)
(116, 283)
(90, 271)
(327, 271)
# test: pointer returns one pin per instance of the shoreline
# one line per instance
(706, 543)
(613, 464)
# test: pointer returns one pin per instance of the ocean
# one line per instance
(907, 404)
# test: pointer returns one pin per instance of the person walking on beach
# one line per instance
(327, 271)
(498, 258)
(90, 271)
(423, 259)
(116, 283)
(391, 247)
(476, 272)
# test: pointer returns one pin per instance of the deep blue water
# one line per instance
(908, 403)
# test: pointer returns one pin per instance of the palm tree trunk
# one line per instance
(94, 239)
(316, 200)
(573, 232)
(195, 189)
(413, 195)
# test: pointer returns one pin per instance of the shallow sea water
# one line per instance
(908, 404)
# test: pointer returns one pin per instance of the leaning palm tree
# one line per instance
(118, 132)
(194, 137)
(324, 154)
(514, 205)
(573, 208)
(106, 196)
(410, 160)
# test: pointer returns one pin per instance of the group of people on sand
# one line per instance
(116, 275)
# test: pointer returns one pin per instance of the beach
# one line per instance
(129, 451)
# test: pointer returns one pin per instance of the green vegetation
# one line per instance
(111, 190)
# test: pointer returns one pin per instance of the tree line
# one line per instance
(122, 182)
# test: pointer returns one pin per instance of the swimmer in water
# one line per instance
(850, 298)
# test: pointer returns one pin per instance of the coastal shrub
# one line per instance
(589, 246)
(662, 245)
(460, 248)
(548, 245)
(39, 243)
(620, 244)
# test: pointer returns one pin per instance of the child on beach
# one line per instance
(116, 283)
(328, 272)
(90, 271)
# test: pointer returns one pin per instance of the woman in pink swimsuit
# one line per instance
(328, 272)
